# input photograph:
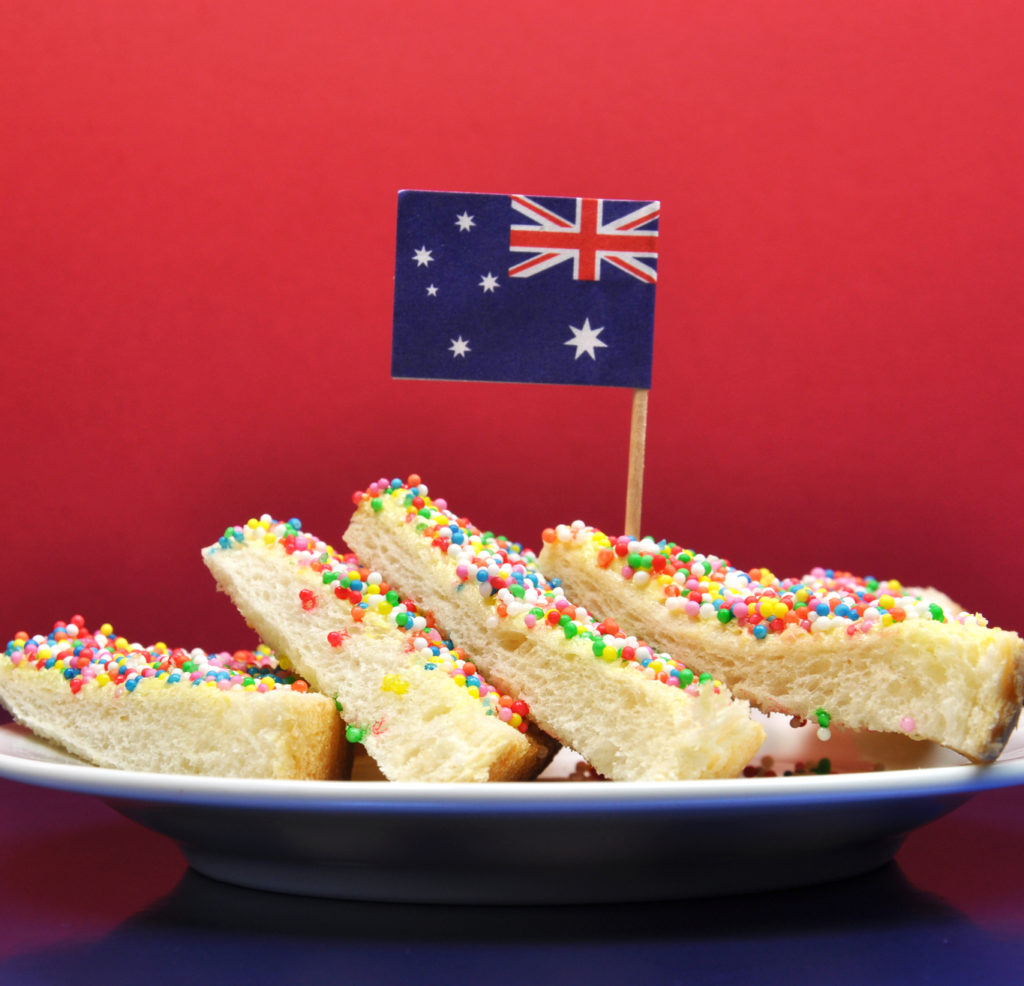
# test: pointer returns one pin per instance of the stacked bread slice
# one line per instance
(417, 704)
(631, 712)
(863, 653)
(154, 708)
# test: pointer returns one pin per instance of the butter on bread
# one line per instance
(122, 705)
(416, 705)
(633, 714)
(857, 652)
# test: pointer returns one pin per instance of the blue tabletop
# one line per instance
(90, 897)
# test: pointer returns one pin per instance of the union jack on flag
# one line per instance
(586, 239)
(528, 289)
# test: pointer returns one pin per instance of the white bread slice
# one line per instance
(909, 661)
(398, 685)
(104, 710)
(489, 595)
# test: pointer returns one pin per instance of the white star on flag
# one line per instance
(586, 339)
(432, 290)
(489, 282)
(464, 222)
(422, 256)
(459, 347)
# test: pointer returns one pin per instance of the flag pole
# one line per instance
(635, 474)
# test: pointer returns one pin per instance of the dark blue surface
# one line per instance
(88, 897)
(518, 330)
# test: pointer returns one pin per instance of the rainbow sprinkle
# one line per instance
(508, 579)
(99, 659)
(707, 588)
(369, 599)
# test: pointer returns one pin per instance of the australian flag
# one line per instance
(525, 289)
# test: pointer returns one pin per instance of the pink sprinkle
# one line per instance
(692, 690)
(530, 620)
(223, 685)
(441, 503)
(740, 610)
(692, 607)
(16, 659)
(504, 713)
(907, 724)
(261, 687)
(462, 572)
(627, 572)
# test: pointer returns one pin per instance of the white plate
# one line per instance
(542, 842)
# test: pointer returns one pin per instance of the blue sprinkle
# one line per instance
(822, 609)
(481, 575)
(51, 662)
(472, 680)
(296, 523)
(760, 631)
(70, 673)
(224, 542)
(430, 666)
(131, 683)
(396, 484)
(843, 610)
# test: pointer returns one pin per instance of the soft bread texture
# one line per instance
(957, 684)
(626, 725)
(177, 728)
(417, 724)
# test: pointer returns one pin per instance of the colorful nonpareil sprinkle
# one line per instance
(370, 601)
(507, 577)
(707, 588)
(88, 659)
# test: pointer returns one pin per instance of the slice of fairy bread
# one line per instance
(418, 705)
(632, 713)
(169, 710)
(857, 652)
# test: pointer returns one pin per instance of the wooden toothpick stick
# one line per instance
(635, 476)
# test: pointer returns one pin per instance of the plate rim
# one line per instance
(75, 776)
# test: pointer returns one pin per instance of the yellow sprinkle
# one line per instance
(474, 691)
(780, 609)
(373, 590)
(43, 653)
(887, 619)
(894, 585)
(516, 720)
(460, 680)
(252, 523)
(102, 679)
(609, 653)
(802, 595)
(106, 629)
(269, 539)
(886, 602)
(395, 683)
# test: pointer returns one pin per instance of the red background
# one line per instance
(197, 204)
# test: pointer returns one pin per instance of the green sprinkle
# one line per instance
(705, 678)
(570, 630)
(355, 734)
(329, 577)
(936, 610)
(824, 718)
(685, 677)
(724, 615)
(377, 504)
(598, 648)
(633, 560)
(393, 597)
